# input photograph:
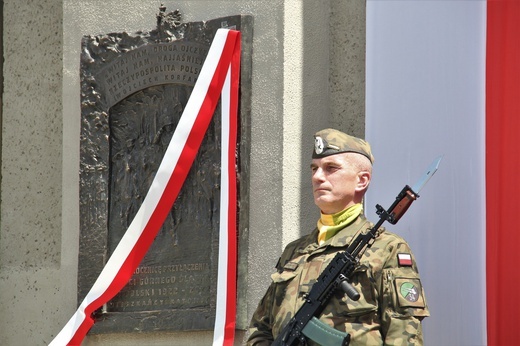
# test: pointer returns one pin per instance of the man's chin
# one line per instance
(322, 203)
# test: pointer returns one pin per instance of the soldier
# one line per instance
(392, 303)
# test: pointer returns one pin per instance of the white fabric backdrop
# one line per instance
(425, 92)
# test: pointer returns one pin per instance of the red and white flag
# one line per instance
(443, 78)
(218, 76)
(404, 259)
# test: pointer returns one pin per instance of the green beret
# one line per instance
(329, 142)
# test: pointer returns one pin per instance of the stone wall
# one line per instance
(308, 73)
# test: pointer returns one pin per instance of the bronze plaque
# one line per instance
(134, 88)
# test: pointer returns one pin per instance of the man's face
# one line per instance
(335, 183)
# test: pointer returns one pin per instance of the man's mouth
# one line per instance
(321, 189)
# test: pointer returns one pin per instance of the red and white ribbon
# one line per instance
(224, 332)
(220, 73)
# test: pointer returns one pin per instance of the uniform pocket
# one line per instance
(285, 298)
(282, 277)
(362, 283)
(286, 290)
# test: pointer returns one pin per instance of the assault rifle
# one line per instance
(305, 323)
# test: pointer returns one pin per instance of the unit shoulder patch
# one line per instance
(409, 292)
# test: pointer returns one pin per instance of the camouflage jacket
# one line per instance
(392, 302)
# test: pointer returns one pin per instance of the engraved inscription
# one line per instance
(176, 286)
(176, 62)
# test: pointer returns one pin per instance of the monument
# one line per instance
(134, 88)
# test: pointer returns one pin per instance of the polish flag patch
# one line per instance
(404, 259)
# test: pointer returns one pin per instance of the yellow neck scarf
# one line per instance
(330, 224)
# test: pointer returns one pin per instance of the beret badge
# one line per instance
(318, 145)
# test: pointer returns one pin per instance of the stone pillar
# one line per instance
(31, 190)
(347, 70)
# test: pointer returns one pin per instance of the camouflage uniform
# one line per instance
(392, 302)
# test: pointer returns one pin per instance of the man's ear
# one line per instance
(363, 180)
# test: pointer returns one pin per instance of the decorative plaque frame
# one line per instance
(134, 88)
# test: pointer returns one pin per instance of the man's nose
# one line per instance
(318, 174)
